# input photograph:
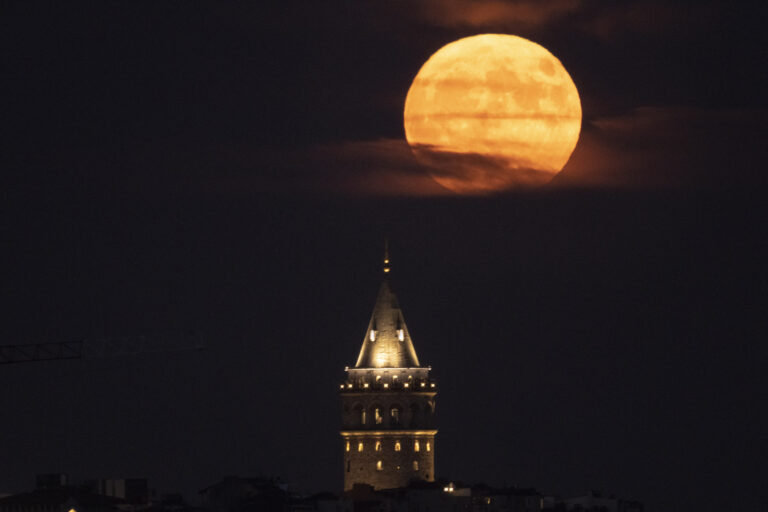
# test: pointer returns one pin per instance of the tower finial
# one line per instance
(386, 256)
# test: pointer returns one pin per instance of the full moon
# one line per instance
(492, 112)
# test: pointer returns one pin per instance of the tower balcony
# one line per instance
(364, 386)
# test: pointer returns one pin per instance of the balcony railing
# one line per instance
(415, 385)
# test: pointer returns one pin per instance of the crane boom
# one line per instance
(100, 348)
(32, 352)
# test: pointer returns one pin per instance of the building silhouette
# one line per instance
(388, 404)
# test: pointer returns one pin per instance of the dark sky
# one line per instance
(233, 169)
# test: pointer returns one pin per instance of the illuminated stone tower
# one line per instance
(388, 404)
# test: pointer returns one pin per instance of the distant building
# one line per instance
(235, 494)
(53, 494)
(439, 497)
(388, 404)
(133, 490)
(593, 501)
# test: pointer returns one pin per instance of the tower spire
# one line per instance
(386, 257)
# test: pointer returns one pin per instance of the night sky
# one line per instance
(233, 170)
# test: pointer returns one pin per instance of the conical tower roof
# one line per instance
(387, 343)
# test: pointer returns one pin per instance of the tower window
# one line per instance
(373, 335)
(415, 465)
(416, 446)
(379, 466)
(347, 445)
(429, 446)
(360, 446)
(400, 334)
(377, 415)
(378, 446)
(397, 446)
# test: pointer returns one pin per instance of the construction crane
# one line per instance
(100, 347)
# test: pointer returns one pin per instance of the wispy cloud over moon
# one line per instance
(644, 147)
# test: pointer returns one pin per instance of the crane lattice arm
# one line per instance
(41, 352)
(99, 348)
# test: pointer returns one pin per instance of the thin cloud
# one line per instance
(601, 20)
(494, 13)
(382, 167)
(647, 17)
(670, 146)
(645, 147)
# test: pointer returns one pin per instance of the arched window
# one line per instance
(416, 446)
(360, 446)
(429, 447)
(362, 417)
(414, 415)
(415, 465)
(397, 446)
(379, 466)
(377, 415)
(378, 446)
(395, 415)
(347, 445)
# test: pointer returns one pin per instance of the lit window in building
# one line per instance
(373, 335)
(347, 445)
(429, 447)
(377, 415)
(360, 446)
(379, 466)
(416, 446)
(378, 446)
(362, 416)
(395, 412)
(415, 465)
(400, 334)
(378, 378)
(397, 446)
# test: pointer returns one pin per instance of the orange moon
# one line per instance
(492, 112)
